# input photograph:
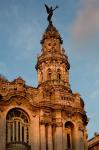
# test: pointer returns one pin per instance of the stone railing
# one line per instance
(18, 146)
(94, 141)
(69, 103)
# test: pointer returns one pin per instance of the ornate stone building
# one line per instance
(49, 116)
(93, 144)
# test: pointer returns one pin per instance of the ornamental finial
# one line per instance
(50, 11)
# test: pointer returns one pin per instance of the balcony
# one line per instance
(18, 146)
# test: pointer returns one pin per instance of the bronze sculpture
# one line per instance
(50, 11)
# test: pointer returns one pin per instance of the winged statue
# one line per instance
(50, 11)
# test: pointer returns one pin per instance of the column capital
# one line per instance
(45, 122)
(58, 124)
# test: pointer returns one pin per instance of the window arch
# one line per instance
(17, 127)
(58, 74)
(49, 74)
(69, 136)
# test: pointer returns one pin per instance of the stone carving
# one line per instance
(51, 33)
(80, 126)
(18, 102)
(58, 124)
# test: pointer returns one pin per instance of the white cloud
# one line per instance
(86, 25)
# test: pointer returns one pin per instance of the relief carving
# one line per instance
(58, 124)
(80, 126)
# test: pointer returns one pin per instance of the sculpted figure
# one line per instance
(50, 11)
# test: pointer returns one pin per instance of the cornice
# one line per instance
(51, 32)
(20, 98)
(93, 143)
(56, 85)
(53, 57)
(57, 124)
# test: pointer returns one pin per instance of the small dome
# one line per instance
(50, 32)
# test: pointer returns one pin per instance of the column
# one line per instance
(85, 140)
(25, 133)
(8, 132)
(44, 77)
(35, 133)
(20, 132)
(2, 131)
(79, 139)
(76, 139)
(13, 132)
(50, 142)
(17, 131)
(59, 138)
(28, 135)
(43, 137)
(64, 139)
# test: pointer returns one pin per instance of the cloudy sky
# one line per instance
(22, 23)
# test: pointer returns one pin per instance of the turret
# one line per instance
(52, 65)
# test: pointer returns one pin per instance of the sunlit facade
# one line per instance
(93, 143)
(49, 116)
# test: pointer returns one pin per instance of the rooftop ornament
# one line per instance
(50, 11)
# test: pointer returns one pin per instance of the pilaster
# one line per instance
(59, 136)
(50, 141)
(2, 131)
(35, 133)
(42, 136)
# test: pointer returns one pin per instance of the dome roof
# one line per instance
(50, 32)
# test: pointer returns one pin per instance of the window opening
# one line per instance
(58, 74)
(17, 127)
(68, 141)
(49, 74)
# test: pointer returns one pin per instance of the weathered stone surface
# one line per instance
(93, 144)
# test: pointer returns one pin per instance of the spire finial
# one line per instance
(50, 11)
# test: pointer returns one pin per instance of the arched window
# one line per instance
(49, 74)
(17, 129)
(69, 136)
(59, 74)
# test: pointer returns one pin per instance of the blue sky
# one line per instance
(22, 23)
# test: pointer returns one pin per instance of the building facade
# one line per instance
(49, 116)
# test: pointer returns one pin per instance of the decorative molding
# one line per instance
(59, 124)
(80, 126)
(45, 122)
(1, 110)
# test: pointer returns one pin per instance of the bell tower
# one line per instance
(53, 66)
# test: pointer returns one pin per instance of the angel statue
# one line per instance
(50, 12)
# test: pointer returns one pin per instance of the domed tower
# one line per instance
(53, 66)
